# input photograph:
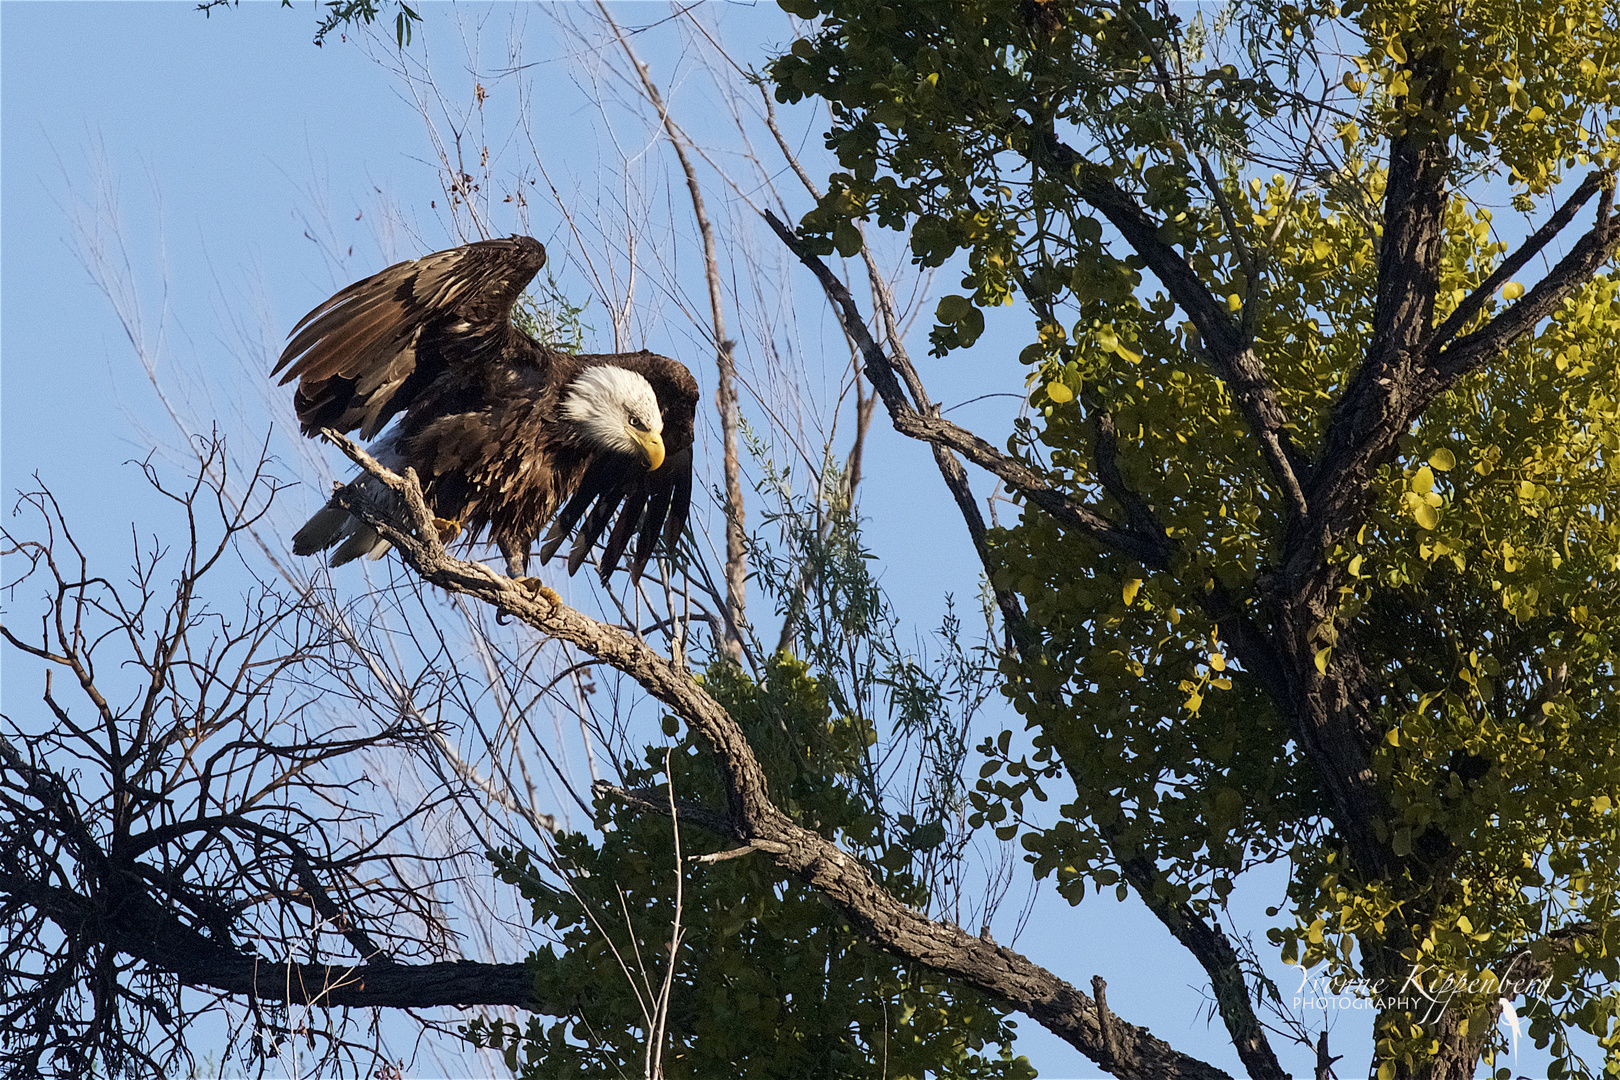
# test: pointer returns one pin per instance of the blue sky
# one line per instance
(248, 174)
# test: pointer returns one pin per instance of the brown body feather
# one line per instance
(479, 404)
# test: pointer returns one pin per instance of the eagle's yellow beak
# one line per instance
(652, 446)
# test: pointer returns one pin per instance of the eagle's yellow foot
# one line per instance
(540, 589)
(448, 529)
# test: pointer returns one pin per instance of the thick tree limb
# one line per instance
(1384, 395)
(1327, 709)
(1404, 370)
(874, 912)
(138, 926)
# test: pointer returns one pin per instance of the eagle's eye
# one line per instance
(637, 423)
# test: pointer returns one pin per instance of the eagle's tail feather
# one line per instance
(332, 525)
(321, 531)
(362, 542)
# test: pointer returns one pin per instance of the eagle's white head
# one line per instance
(615, 408)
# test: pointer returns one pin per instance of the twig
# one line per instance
(725, 394)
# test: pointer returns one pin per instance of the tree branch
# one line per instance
(1220, 962)
(883, 920)
(1514, 263)
(1205, 942)
(725, 394)
(138, 926)
(941, 432)
(1228, 350)
(1574, 270)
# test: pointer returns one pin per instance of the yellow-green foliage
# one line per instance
(1483, 591)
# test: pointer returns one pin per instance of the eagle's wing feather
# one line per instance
(592, 526)
(590, 486)
(680, 501)
(656, 513)
(356, 354)
(623, 529)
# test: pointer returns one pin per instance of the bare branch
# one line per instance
(941, 432)
(725, 393)
(882, 919)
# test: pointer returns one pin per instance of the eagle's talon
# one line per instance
(539, 588)
(447, 528)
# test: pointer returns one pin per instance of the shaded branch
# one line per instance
(1229, 351)
(138, 926)
(1218, 959)
(943, 433)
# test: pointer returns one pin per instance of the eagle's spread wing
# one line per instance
(647, 503)
(356, 355)
(482, 406)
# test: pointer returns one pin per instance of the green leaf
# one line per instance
(952, 308)
(846, 239)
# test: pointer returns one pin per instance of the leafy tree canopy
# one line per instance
(1317, 566)
(1347, 594)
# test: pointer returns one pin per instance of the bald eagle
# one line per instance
(501, 430)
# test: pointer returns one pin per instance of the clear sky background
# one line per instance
(235, 175)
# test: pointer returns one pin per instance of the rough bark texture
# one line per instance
(754, 819)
